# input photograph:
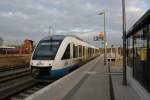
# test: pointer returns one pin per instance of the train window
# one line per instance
(80, 51)
(75, 51)
(91, 51)
(67, 53)
(46, 50)
(88, 52)
(83, 51)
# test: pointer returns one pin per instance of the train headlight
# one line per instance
(39, 63)
(31, 63)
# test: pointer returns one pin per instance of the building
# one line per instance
(4, 49)
(138, 47)
(28, 45)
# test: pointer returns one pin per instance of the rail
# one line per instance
(13, 74)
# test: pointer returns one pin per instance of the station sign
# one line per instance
(99, 37)
(96, 38)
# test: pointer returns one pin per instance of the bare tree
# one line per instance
(1, 41)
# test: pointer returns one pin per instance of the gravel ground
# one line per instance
(14, 60)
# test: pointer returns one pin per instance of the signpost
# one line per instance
(100, 37)
(124, 43)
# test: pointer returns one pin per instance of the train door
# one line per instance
(71, 53)
(148, 57)
(80, 53)
(66, 56)
(84, 52)
(140, 57)
(75, 53)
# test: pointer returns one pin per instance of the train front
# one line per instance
(43, 57)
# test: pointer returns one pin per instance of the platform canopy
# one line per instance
(144, 20)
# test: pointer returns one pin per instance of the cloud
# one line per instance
(32, 18)
(133, 9)
(14, 15)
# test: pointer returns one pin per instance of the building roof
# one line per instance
(6, 47)
(144, 20)
(28, 40)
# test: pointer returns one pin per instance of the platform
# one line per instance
(90, 82)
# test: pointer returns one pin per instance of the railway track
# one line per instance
(13, 74)
(28, 91)
(12, 81)
(8, 68)
(18, 84)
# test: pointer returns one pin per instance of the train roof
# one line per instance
(144, 20)
(61, 37)
(54, 37)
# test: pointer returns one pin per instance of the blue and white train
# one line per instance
(55, 56)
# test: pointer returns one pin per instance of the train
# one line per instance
(57, 55)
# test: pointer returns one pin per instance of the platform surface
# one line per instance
(93, 86)
(89, 82)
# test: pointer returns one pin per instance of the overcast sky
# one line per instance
(21, 19)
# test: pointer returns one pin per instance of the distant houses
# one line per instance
(25, 48)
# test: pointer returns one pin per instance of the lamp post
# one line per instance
(105, 48)
(124, 43)
(50, 31)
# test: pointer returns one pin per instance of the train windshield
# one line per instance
(46, 50)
